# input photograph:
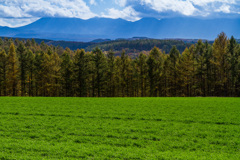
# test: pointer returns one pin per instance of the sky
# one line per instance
(15, 13)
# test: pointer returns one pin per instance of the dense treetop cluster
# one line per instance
(29, 69)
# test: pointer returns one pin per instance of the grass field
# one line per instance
(119, 128)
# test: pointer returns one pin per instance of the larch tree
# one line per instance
(12, 71)
(3, 73)
(66, 73)
(38, 72)
(55, 67)
(220, 61)
(111, 73)
(46, 84)
(208, 69)
(123, 72)
(185, 73)
(173, 57)
(22, 58)
(142, 69)
(30, 71)
(80, 72)
(233, 61)
(154, 70)
(199, 57)
(100, 62)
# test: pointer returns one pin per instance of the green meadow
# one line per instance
(119, 128)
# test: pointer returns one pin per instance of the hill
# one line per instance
(133, 45)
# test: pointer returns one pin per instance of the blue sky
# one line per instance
(15, 13)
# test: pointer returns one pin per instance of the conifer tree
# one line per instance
(55, 67)
(208, 69)
(22, 58)
(38, 72)
(30, 71)
(129, 77)
(101, 67)
(111, 73)
(220, 57)
(173, 57)
(12, 71)
(118, 77)
(3, 73)
(233, 61)
(80, 72)
(123, 73)
(46, 76)
(199, 57)
(66, 73)
(142, 66)
(185, 73)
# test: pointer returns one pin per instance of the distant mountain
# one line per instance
(74, 29)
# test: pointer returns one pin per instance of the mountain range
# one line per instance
(74, 29)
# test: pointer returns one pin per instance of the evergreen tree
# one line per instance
(201, 70)
(142, 66)
(80, 72)
(22, 58)
(123, 73)
(38, 72)
(55, 75)
(154, 70)
(199, 57)
(46, 76)
(185, 73)
(3, 73)
(101, 67)
(173, 57)
(118, 77)
(12, 71)
(208, 70)
(233, 61)
(111, 73)
(30, 71)
(66, 73)
(220, 61)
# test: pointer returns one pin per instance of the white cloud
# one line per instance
(93, 2)
(191, 7)
(183, 7)
(121, 3)
(206, 2)
(45, 8)
(12, 11)
(224, 8)
(16, 22)
(15, 12)
(127, 13)
(24, 11)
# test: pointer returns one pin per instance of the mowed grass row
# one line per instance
(119, 128)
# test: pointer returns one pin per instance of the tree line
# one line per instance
(138, 45)
(29, 69)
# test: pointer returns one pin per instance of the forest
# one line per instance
(31, 69)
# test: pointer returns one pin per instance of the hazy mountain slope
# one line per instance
(73, 29)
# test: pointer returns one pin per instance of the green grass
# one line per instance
(119, 128)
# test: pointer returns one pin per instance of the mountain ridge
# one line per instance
(75, 29)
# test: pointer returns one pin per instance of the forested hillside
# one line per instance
(202, 69)
(139, 45)
(132, 46)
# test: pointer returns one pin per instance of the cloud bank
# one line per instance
(27, 10)
(20, 12)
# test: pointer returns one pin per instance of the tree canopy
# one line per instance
(31, 69)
